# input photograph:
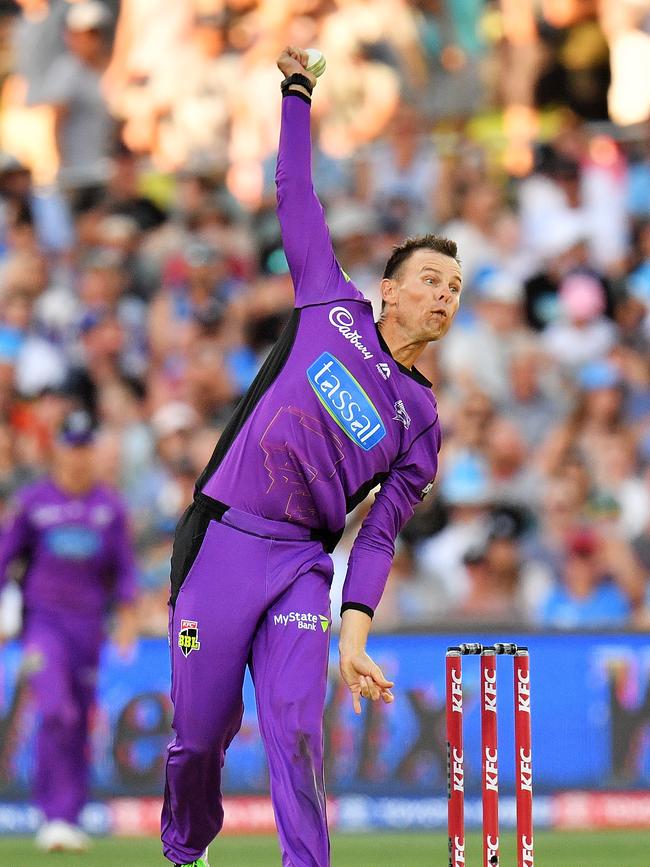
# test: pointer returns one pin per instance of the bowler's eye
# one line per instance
(455, 289)
(430, 281)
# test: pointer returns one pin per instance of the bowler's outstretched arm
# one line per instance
(317, 276)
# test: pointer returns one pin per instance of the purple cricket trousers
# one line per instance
(247, 591)
(62, 654)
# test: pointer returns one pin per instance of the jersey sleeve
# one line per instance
(15, 538)
(125, 587)
(372, 552)
(316, 273)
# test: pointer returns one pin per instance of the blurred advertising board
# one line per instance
(590, 715)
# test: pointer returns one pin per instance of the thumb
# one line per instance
(378, 676)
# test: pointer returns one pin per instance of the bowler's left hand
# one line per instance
(365, 679)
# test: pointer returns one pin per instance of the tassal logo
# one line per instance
(346, 401)
(343, 320)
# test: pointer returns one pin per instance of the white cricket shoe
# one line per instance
(60, 836)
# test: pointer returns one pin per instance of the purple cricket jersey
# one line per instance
(331, 414)
(77, 549)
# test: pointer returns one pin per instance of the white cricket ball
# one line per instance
(316, 62)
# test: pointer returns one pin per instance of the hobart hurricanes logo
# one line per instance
(343, 320)
(346, 401)
(188, 637)
(401, 414)
(303, 620)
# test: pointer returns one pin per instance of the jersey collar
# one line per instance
(413, 372)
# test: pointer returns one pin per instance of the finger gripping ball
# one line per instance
(316, 62)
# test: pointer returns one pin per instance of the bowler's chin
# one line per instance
(436, 333)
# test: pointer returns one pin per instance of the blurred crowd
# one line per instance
(142, 274)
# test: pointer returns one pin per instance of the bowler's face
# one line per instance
(425, 294)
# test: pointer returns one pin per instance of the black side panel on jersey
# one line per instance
(266, 376)
(359, 496)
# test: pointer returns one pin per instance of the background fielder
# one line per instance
(71, 536)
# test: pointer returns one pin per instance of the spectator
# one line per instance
(581, 334)
(493, 573)
(474, 228)
(464, 488)
(598, 413)
(531, 383)
(482, 346)
(402, 170)
(595, 589)
(201, 85)
(83, 124)
(513, 479)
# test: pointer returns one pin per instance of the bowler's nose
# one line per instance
(445, 295)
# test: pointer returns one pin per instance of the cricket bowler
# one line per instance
(337, 409)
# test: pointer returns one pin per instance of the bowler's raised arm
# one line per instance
(307, 243)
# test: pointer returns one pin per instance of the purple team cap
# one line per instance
(77, 429)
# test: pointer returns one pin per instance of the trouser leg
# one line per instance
(63, 687)
(289, 665)
(212, 626)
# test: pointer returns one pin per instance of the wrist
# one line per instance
(297, 83)
(348, 649)
(355, 626)
(298, 89)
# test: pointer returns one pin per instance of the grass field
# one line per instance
(601, 849)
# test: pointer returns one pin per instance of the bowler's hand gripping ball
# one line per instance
(316, 62)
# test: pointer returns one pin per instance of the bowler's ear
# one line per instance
(388, 291)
